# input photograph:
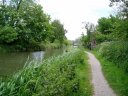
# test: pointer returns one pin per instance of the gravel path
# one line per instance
(101, 87)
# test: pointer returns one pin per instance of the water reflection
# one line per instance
(12, 62)
(37, 55)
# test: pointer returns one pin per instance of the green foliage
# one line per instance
(105, 25)
(47, 45)
(58, 31)
(33, 26)
(115, 76)
(67, 42)
(84, 79)
(89, 39)
(25, 26)
(89, 28)
(120, 26)
(112, 28)
(101, 37)
(56, 76)
(7, 34)
(84, 40)
(115, 52)
(120, 30)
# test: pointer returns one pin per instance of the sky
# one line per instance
(72, 13)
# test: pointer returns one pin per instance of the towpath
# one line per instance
(100, 85)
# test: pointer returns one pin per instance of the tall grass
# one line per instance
(56, 76)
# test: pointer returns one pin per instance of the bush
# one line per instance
(101, 37)
(115, 52)
(7, 34)
(55, 76)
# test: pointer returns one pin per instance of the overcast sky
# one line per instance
(73, 12)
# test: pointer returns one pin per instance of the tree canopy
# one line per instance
(24, 25)
(112, 28)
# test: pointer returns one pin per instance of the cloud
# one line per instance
(73, 12)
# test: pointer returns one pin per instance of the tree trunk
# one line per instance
(18, 5)
(3, 1)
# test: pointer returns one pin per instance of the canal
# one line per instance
(12, 62)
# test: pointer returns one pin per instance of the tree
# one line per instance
(122, 7)
(120, 30)
(118, 1)
(33, 24)
(89, 39)
(105, 25)
(84, 40)
(7, 34)
(58, 31)
(27, 20)
(89, 29)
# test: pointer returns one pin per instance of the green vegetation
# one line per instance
(112, 28)
(65, 75)
(87, 39)
(115, 76)
(115, 52)
(110, 43)
(24, 26)
(110, 35)
(84, 75)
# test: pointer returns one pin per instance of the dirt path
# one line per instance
(101, 87)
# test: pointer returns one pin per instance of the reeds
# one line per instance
(55, 76)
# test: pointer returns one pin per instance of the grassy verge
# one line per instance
(83, 72)
(64, 75)
(115, 76)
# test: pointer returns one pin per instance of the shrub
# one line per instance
(115, 52)
(7, 34)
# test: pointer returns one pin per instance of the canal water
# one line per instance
(12, 62)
